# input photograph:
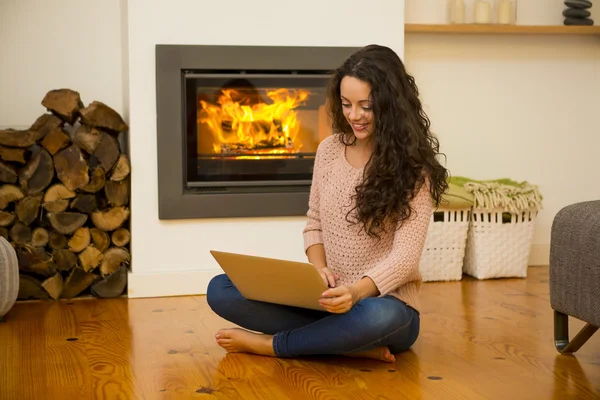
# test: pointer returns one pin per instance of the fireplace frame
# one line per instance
(175, 200)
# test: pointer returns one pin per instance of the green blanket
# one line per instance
(504, 194)
(456, 197)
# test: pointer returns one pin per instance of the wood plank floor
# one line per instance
(479, 340)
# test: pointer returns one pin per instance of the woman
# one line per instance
(374, 185)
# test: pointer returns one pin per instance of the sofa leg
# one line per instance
(561, 334)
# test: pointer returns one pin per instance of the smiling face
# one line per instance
(357, 106)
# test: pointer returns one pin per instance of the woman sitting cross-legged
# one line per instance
(375, 183)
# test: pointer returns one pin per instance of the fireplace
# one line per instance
(238, 127)
(253, 130)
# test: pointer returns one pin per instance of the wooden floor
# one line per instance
(480, 339)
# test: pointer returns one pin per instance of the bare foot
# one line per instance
(378, 353)
(237, 340)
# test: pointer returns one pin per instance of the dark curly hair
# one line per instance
(405, 151)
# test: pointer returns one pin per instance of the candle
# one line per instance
(504, 12)
(483, 12)
(457, 11)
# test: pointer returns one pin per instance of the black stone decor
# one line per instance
(577, 12)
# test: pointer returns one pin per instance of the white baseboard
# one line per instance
(184, 283)
(163, 284)
(539, 255)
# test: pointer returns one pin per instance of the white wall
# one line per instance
(536, 102)
(47, 45)
(524, 107)
(177, 251)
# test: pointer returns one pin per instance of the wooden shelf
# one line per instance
(502, 29)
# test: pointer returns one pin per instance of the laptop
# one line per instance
(270, 280)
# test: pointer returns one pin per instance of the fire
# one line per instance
(239, 126)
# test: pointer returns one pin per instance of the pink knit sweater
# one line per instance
(393, 262)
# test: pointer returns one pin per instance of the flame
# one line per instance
(238, 126)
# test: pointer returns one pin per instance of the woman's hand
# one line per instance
(328, 277)
(339, 300)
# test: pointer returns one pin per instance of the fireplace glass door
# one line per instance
(253, 131)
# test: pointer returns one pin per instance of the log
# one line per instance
(56, 141)
(66, 103)
(56, 198)
(35, 260)
(31, 288)
(114, 258)
(58, 191)
(10, 194)
(27, 138)
(20, 233)
(90, 258)
(111, 219)
(87, 138)
(99, 115)
(80, 240)
(42, 126)
(117, 193)
(37, 173)
(64, 259)
(77, 281)
(54, 286)
(100, 239)
(97, 181)
(121, 237)
(67, 222)
(8, 173)
(72, 168)
(40, 237)
(28, 209)
(7, 218)
(16, 138)
(14, 154)
(57, 206)
(122, 169)
(4, 233)
(108, 151)
(85, 203)
(58, 241)
(112, 285)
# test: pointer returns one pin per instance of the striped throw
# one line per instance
(9, 276)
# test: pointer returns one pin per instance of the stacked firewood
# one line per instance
(64, 199)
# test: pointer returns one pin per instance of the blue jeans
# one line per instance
(372, 322)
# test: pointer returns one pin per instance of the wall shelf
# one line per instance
(501, 29)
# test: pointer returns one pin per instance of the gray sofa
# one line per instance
(575, 272)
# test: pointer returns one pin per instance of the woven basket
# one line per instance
(9, 277)
(444, 250)
(499, 243)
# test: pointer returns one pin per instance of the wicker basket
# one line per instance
(444, 250)
(499, 243)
